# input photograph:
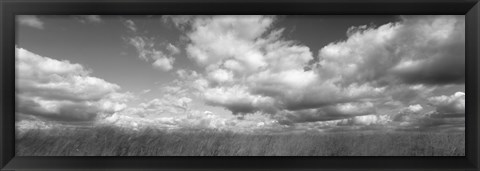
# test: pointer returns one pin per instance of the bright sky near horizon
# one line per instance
(243, 73)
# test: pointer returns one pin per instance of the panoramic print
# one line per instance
(189, 85)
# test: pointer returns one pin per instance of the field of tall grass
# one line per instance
(110, 141)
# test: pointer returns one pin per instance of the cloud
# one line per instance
(143, 46)
(58, 79)
(60, 90)
(231, 47)
(418, 118)
(31, 21)
(248, 67)
(415, 50)
(148, 50)
(237, 99)
(220, 76)
(173, 49)
(415, 108)
(218, 37)
(174, 100)
(130, 25)
(410, 118)
(293, 79)
(58, 110)
(163, 63)
(409, 114)
(166, 104)
(173, 110)
(189, 82)
(409, 94)
(453, 104)
(89, 18)
(316, 94)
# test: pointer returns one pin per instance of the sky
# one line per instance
(242, 73)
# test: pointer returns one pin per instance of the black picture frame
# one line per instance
(10, 8)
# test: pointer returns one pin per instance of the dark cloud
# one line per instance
(71, 112)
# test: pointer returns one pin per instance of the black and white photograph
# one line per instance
(240, 85)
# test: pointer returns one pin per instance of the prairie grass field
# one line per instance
(110, 141)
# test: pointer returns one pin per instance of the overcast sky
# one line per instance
(242, 73)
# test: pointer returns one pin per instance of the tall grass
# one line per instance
(110, 141)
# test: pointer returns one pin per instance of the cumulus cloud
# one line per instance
(58, 79)
(173, 49)
(220, 37)
(409, 114)
(163, 63)
(414, 50)
(415, 108)
(249, 67)
(377, 76)
(220, 75)
(60, 90)
(453, 104)
(30, 20)
(310, 94)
